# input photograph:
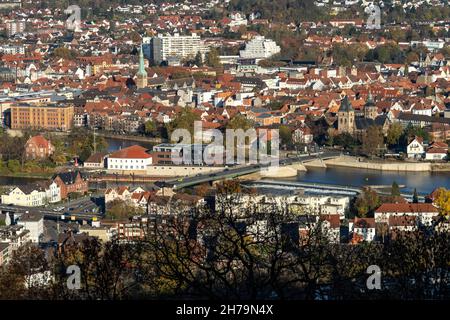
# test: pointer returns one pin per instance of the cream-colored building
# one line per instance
(102, 233)
(33, 195)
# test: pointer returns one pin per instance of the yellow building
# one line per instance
(48, 117)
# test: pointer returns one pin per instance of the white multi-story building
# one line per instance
(237, 19)
(33, 195)
(180, 46)
(259, 48)
(14, 236)
(415, 148)
(15, 27)
(8, 49)
(131, 159)
(323, 205)
(424, 212)
(33, 222)
(364, 228)
(319, 204)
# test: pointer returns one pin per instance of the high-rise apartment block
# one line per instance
(180, 46)
(260, 48)
(14, 27)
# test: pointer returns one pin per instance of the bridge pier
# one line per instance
(282, 172)
(318, 163)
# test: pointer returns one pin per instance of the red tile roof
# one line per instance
(406, 208)
(402, 221)
(39, 141)
(133, 152)
(333, 219)
(364, 222)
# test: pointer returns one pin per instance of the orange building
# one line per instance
(48, 117)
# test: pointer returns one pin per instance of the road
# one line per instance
(79, 209)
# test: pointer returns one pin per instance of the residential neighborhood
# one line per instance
(224, 150)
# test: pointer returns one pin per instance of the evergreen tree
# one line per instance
(395, 191)
(198, 59)
(415, 196)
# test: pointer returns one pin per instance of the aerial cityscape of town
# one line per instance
(224, 149)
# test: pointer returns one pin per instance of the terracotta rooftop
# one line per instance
(406, 208)
(39, 141)
(133, 152)
(402, 221)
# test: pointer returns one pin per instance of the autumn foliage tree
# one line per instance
(372, 141)
(366, 202)
(443, 201)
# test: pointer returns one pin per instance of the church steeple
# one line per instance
(369, 99)
(141, 75)
(346, 117)
(370, 109)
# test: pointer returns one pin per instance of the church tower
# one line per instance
(346, 117)
(141, 75)
(370, 109)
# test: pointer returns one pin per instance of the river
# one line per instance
(425, 182)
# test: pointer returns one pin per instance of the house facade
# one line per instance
(423, 211)
(38, 147)
(34, 223)
(415, 148)
(70, 182)
(33, 195)
(134, 159)
(362, 229)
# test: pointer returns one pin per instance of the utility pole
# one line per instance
(95, 145)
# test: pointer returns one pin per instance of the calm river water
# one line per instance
(425, 182)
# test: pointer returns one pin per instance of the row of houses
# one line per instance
(434, 152)
(46, 192)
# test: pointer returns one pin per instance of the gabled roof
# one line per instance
(406, 208)
(133, 152)
(68, 177)
(364, 222)
(39, 141)
(96, 157)
(333, 219)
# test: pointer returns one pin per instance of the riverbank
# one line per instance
(123, 178)
(42, 175)
(354, 162)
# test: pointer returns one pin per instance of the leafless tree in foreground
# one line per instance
(242, 247)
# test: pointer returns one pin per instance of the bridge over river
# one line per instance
(238, 171)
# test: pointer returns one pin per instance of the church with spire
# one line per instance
(348, 122)
(141, 75)
(346, 117)
(370, 109)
